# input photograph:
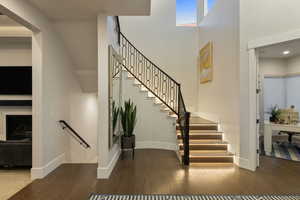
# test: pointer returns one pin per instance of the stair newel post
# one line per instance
(187, 138)
(178, 102)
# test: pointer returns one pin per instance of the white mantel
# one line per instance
(15, 97)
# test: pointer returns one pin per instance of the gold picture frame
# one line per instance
(206, 63)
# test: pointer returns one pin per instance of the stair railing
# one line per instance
(158, 82)
(74, 134)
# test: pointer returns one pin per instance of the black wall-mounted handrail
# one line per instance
(76, 135)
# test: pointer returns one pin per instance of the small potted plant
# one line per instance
(128, 122)
(275, 113)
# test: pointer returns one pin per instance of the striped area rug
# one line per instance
(286, 151)
(194, 197)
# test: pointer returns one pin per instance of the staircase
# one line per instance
(206, 145)
(199, 140)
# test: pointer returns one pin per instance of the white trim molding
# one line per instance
(252, 109)
(274, 39)
(157, 145)
(41, 172)
(252, 55)
(284, 75)
(104, 172)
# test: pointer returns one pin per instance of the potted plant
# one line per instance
(128, 122)
(275, 113)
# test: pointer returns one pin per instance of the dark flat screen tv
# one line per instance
(15, 80)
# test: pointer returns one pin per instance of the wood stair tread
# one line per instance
(192, 152)
(199, 142)
(203, 124)
(203, 133)
(200, 154)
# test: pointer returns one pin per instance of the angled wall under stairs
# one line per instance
(154, 128)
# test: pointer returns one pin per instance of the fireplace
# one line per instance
(18, 127)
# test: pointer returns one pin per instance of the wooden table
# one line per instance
(268, 133)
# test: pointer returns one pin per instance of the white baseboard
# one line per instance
(104, 172)
(243, 163)
(41, 172)
(157, 145)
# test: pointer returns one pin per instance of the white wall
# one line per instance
(154, 129)
(15, 54)
(260, 18)
(280, 83)
(173, 49)
(273, 66)
(83, 119)
(293, 65)
(275, 91)
(221, 97)
(81, 44)
(293, 82)
(52, 88)
(107, 156)
(273, 87)
(280, 66)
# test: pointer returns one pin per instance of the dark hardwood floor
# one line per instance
(159, 172)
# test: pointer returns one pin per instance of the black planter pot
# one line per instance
(128, 143)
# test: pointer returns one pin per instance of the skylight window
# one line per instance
(209, 5)
(186, 12)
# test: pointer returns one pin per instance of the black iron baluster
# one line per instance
(164, 87)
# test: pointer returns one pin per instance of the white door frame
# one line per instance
(37, 65)
(252, 54)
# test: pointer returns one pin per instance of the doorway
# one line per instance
(18, 135)
(274, 79)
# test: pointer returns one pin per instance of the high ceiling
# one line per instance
(76, 23)
(80, 9)
(276, 51)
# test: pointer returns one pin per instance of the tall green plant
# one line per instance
(128, 118)
(115, 115)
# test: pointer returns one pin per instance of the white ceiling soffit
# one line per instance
(88, 80)
(15, 40)
(6, 21)
(10, 28)
(15, 31)
(276, 51)
(80, 9)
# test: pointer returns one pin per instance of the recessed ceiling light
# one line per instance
(287, 52)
